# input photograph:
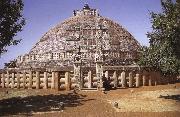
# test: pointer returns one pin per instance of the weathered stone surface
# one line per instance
(123, 79)
(45, 80)
(87, 31)
(30, 79)
(37, 80)
(24, 80)
(67, 81)
(130, 79)
(53, 80)
(137, 80)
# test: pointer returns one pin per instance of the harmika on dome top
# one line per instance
(87, 35)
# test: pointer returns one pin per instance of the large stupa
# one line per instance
(86, 34)
(86, 52)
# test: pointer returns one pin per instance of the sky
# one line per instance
(41, 15)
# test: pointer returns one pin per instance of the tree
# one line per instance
(11, 22)
(163, 54)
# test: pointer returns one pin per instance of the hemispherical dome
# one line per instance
(85, 32)
(84, 28)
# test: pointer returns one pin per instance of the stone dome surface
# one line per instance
(84, 32)
(55, 39)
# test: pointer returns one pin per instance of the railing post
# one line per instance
(67, 80)
(123, 79)
(130, 79)
(7, 79)
(37, 79)
(24, 80)
(30, 79)
(115, 79)
(150, 80)
(57, 85)
(156, 78)
(99, 75)
(12, 80)
(45, 80)
(90, 79)
(18, 80)
(52, 80)
(137, 80)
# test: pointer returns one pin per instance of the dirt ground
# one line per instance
(148, 101)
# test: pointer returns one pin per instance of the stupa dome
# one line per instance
(84, 32)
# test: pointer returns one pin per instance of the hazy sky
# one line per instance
(41, 15)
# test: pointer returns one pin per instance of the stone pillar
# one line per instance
(123, 79)
(56, 81)
(99, 75)
(77, 74)
(130, 79)
(37, 79)
(24, 80)
(3, 80)
(12, 80)
(7, 79)
(137, 80)
(90, 79)
(67, 81)
(154, 78)
(30, 79)
(52, 80)
(45, 80)
(150, 80)
(144, 80)
(18, 80)
(115, 79)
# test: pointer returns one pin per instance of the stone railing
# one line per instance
(63, 79)
(40, 57)
(111, 58)
(35, 79)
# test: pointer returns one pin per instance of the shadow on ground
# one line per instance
(26, 105)
(173, 97)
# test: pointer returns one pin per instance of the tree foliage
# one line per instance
(164, 51)
(11, 22)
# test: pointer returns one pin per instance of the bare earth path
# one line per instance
(156, 101)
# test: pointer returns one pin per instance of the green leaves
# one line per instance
(11, 22)
(164, 51)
